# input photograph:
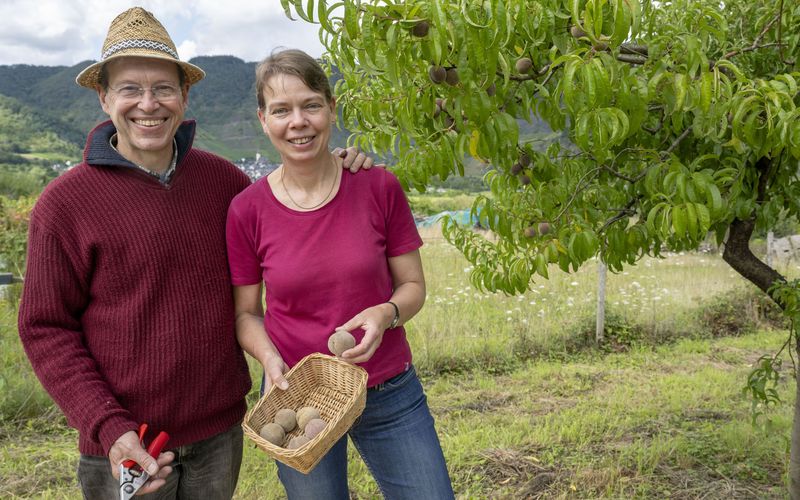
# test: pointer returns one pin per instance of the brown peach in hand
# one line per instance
(340, 341)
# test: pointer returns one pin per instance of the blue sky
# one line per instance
(65, 32)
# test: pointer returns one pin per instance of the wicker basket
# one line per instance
(336, 388)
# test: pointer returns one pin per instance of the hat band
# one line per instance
(138, 44)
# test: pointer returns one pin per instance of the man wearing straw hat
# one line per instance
(127, 314)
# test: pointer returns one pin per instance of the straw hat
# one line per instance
(136, 32)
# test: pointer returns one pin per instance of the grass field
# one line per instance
(525, 406)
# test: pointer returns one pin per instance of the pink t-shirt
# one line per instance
(323, 267)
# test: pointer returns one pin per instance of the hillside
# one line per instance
(223, 104)
(30, 143)
(45, 115)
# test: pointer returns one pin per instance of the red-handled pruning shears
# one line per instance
(131, 475)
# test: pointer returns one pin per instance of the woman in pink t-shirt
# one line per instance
(333, 250)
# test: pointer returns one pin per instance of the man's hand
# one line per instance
(129, 447)
(355, 159)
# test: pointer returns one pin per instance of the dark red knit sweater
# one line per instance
(127, 311)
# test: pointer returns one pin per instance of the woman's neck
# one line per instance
(312, 175)
(306, 187)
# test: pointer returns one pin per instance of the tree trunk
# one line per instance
(794, 458)
(738, 255)
(600, 325)
(737, 247)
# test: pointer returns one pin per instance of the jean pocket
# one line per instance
(400, 380)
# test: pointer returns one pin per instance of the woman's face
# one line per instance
(297, 119)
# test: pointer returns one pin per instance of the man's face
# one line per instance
(145, 124)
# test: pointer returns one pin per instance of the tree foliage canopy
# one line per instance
(683, 115)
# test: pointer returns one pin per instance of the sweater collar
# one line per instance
(98, 149)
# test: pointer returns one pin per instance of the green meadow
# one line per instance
(527, 404)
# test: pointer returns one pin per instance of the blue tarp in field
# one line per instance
(462, 217)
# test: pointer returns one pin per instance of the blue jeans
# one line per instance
(396, 438)
(206, 469)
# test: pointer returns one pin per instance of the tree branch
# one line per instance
(631, 59)
(737, 246)
(613, 171)
(577, 191)
(751, 49)
(780, 45)
(665, 153)
(619, 175)
(739, 256)
(768, 26)
(677, 142)
(625, 212)
(632, 48)
(655, 130)
(535, 76)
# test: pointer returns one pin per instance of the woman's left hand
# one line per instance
(374, 321)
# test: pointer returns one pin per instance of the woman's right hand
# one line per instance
(274, 368)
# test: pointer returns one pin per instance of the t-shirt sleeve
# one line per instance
(401, 235)
(243, 259)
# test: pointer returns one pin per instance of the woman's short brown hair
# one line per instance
(291, 62)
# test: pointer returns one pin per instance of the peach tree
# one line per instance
(682, 118)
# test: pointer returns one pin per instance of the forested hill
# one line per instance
(45, 116)
(223, 103)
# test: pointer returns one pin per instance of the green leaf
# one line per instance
(652, 215)
(703, 217)
(679, 222)
(602, 81)
(503, 23)
(664, 222)
(351, 19)
(589, 88)
(622, 22)
(309, 17)
(566, 84)
(706, 85)
(691, 221)
(715, 200)
(597, 13)
(541, 265)
(636, 16)
(651, 180)
(575, 10)
(439, 22)
(465, 12)
(680, 184)
(621, 125)
(287, 9)
(324, 19)
(581, 131)
(680, 85)
(473, 144)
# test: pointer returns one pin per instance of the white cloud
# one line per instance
(65, 32)
(248, 29)
(187, 50)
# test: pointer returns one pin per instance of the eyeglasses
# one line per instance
(161, 92)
